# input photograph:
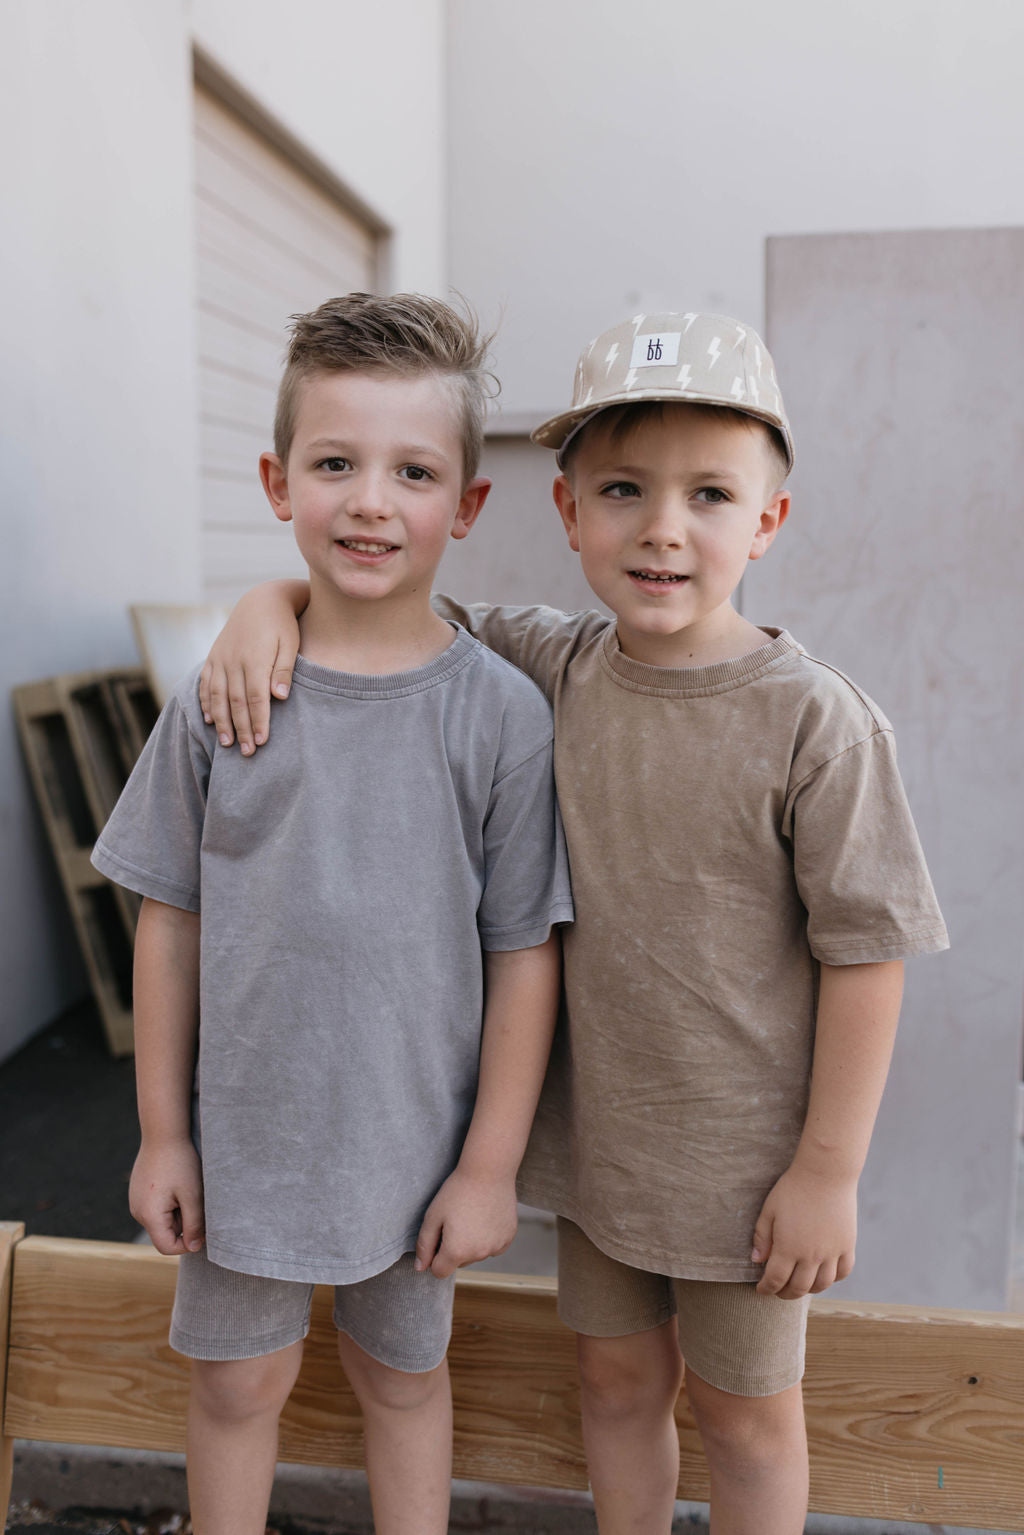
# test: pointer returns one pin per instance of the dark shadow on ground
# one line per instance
(68, 1133)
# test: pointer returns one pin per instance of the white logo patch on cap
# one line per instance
(656, 350)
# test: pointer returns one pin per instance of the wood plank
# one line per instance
(916, 1414)
(893, 1393)
(11, 1233)
(79, 745)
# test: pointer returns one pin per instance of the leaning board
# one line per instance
(912, 1414)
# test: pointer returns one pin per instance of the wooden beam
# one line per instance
(912, 1414)
(11, 1233)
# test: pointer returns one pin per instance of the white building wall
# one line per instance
(97, 372)
(97, 439)
(607, 158)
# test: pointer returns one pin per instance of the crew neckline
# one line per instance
(696, 681)
(382, 685)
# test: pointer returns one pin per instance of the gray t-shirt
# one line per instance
(348, 876)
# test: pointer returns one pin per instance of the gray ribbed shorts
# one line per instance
(731, 1337)
(399, 1317)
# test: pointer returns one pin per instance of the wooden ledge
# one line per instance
(912, 1414)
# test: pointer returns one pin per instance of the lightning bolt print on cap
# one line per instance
(702, 359)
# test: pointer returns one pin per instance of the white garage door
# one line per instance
(272, 242)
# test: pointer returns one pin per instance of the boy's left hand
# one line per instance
(469, 1218)
(806, 1233)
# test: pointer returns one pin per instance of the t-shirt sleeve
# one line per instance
(152, 840)
(526, 870)
(540, 641)
(858, 861)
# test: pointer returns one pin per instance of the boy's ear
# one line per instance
(565, 500)
(275, 483)
(772, 518)
(470, 505)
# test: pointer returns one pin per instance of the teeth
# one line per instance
(364, 547)
(647, 575)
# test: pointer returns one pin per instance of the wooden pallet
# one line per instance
(82, 735)
(912, 1413)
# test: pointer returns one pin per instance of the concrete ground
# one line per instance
(67, 1140)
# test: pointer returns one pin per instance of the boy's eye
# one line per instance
(711, 495)
(620, 490)
(417, 472)
(335, 465)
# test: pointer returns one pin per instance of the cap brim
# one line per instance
(554, 432)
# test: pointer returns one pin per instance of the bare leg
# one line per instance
(629, 1388)
(234, 1406)
(757, 1451)
(408, 1422)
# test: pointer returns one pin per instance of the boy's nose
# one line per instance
(368, 498)
(665, 526)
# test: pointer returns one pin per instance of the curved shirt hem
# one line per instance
(500, 940)
(142, 881)
(651, 1260)
(931, 940)
(336, 1271)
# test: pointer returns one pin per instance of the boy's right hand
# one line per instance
(166, 1196)
(252, 657)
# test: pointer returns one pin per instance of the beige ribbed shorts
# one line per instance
(733, 1338)
(399, 1317)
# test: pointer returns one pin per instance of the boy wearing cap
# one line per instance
(747, 880)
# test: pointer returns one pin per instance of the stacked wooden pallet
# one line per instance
(82, 735)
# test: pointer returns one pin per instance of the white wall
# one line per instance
(97, 442)
(97, 386)
(608, 157)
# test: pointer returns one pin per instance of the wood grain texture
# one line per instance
(81, 735)
(893, 1393)
(11, 1233)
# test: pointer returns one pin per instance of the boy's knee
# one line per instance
(379, 1386)
(237, 1390)
(638, 1374)
(747, 1434)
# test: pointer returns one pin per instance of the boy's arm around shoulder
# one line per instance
(166, 1189)
(251, 659)
(807, 1231)
(539, 640)
(473, 1215)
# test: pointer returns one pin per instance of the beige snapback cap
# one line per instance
(704, 359)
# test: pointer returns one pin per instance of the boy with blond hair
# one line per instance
(747, 881)
(385, 877)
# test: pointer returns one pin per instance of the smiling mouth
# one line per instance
(658, 577)
(365, 546)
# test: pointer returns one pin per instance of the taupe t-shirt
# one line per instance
(729, 826)
(347, 877)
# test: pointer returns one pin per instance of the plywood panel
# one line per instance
(900, 359)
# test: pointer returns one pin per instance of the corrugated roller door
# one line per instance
(271, 243)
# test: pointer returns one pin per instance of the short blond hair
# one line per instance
(407, 334)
